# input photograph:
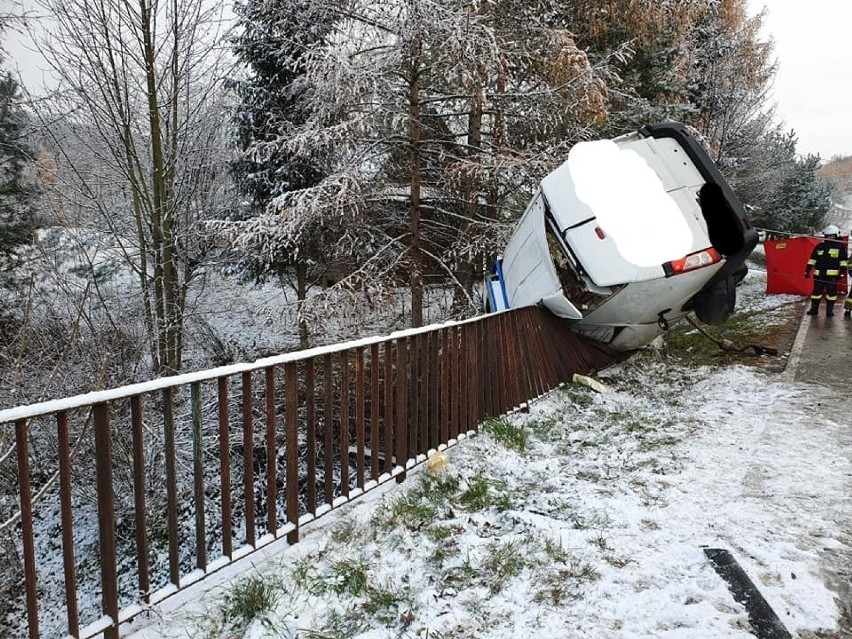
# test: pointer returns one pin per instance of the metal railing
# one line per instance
(192, 472)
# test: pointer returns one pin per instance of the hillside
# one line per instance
(838, 171)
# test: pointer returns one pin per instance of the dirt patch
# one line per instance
(774, 328)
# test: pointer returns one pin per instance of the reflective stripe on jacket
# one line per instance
(828, 259)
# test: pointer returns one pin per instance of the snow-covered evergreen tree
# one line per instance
(272, 42)
(432, 115)
(802, 201)
(16, 216)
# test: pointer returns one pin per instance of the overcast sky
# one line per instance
(813, 86)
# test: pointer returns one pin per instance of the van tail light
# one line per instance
(693, 261)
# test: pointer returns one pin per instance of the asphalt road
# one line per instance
(821, 357)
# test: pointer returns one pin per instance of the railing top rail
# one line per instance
(29, 411)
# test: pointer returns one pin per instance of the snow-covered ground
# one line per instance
(595, 528)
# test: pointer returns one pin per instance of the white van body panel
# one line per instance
(668, 178)
(531, 276)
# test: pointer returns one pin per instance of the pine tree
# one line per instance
(802, 201)
(16, 216)
(273, 42)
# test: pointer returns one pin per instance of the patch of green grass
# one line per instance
(345, 532)
(773, 328)
(565, 583)
(555, 551)
(348, 576)
(302, 571)
(382, 603)
(509, 435)
(337, 625)
(505, 560)
(483, 493)
(438, 534)
(251, 598)
(438, 489)
(411, 511)
(461, 575)
(545, 427)
(579, 396)
(600, 542)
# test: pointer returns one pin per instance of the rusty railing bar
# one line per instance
(519, 375)
(401, 426)
(424, 389)
(413, 395)
(455, 388)
(344, 423)
(311, 433)
(387, 353)
(443, 363)
(171, 484)
(328, 422)
(271, 454)
(374, 412)
(248, 458)
(106, 517)
(198, 477)
(72, 613)
(464, 394)
(502, 366)
(360, 409)
(435, 397)
(27, 532)
(291, 417)
(140, 512)
(225, 465)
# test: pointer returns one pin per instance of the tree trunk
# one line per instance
(467, 270)
(414, 132)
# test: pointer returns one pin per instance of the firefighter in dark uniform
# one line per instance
(828, 262)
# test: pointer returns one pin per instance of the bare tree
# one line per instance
(137, 132)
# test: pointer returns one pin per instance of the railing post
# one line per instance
(328, 421)
(374, 411)
(27, 526)
(271, 455)
(140, 512)
(248, 458)
(291, 420)
(311, 434)
(225, 465)
(360, 418)
(344, 423)
(171, 485)
(198, 478)
(106, 516)
(387, 351)
(401, 426)
(67, 525)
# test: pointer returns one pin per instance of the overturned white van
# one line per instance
(627, 236)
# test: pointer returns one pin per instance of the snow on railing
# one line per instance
(194, 471)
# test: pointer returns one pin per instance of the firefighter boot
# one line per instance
(814, 307)
(829, 309)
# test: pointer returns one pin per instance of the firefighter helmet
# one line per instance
(831, 230)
